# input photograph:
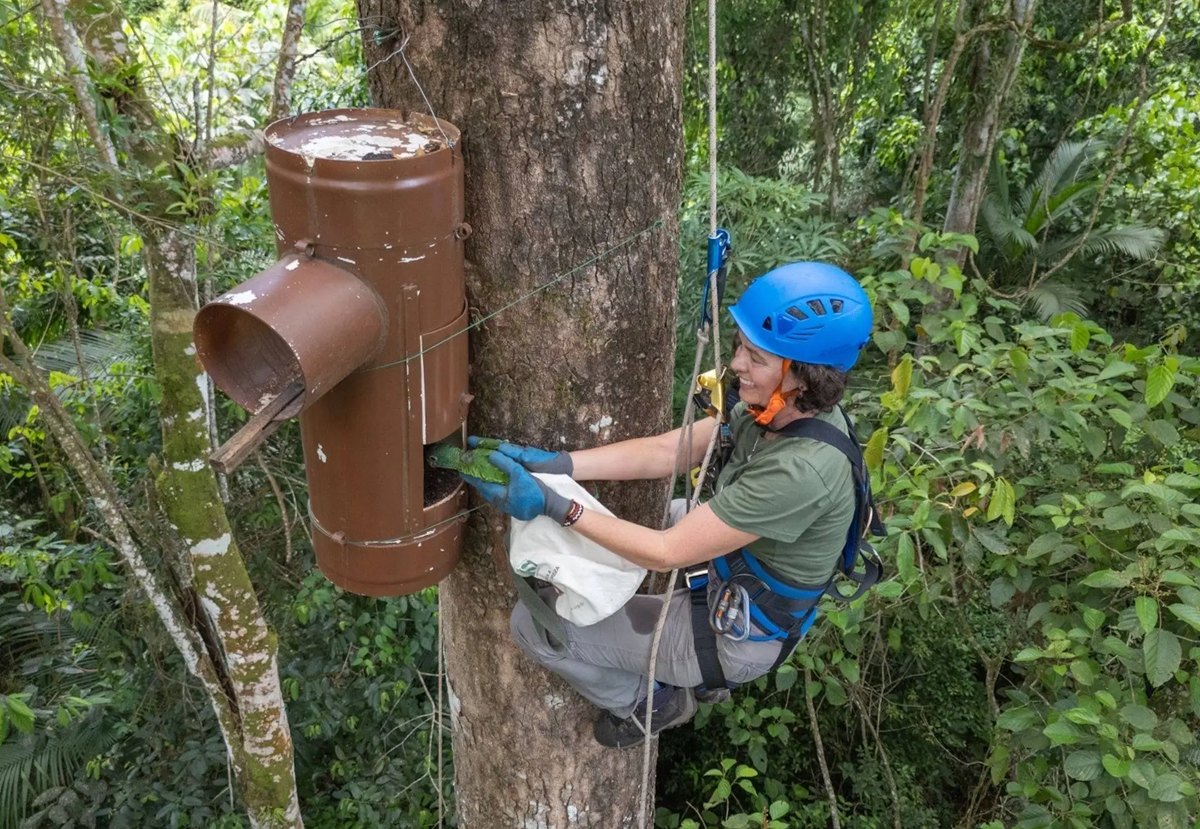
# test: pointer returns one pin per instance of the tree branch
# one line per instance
(1088, 35)
(933, 115)
(283, 513)
(820, 746)
(67, 40)
(236, 148)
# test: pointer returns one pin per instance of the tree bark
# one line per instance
(67, 41)
(571, 120)
(978, 137)
(215, 620)
(256, 728)
(285, 67)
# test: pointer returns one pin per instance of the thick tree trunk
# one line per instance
(571, 117)
(980, 129)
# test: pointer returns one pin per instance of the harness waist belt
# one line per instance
(780, 609)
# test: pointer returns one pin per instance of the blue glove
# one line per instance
(524, 497)
(533, 459)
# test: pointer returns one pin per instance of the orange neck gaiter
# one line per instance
(779, 400)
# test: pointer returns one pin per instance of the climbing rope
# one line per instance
(711, 316)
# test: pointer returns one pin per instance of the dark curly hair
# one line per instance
(821, 387)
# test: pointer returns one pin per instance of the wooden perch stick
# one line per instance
(229, 455)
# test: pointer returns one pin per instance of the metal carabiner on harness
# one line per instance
(718, 257)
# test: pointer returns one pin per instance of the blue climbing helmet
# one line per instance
(809, 312)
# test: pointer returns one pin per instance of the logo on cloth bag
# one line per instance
(526, 569)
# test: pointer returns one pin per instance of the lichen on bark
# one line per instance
(261, 747)
(227, 644)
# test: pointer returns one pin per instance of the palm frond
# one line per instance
(100, 349)
(46, 760)
(1059, 201)
(1005, 230)
(1135, 241)
(1052, 298)
(1064, 166)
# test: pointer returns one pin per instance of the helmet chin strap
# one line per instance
(779, 400)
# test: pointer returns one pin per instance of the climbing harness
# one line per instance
(739, 593)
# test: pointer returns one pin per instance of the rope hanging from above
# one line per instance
(709, 330)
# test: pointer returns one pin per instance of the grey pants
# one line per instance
(607, 662)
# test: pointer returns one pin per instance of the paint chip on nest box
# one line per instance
(241, 298)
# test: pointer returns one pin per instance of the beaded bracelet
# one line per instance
(574, 513)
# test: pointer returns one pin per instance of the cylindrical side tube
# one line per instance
(299, 321)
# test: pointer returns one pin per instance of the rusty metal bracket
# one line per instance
(258, 428)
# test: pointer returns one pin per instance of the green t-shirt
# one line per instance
(797, 494)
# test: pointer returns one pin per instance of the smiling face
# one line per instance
(758, 372)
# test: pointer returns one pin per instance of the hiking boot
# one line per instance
(672, 707)
(712, 696)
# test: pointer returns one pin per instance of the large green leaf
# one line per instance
(1147, 612)
(1016, 719)
(1158, 385)
(1061, 732)
(1165, 788)
(1080, 337)
(1139, 717)
(1163, 653)
(1188, 614)
(1107, 578)
(1003, 502)
(902, 376)
(1044, 544)
(873, 454)
(1083, 765)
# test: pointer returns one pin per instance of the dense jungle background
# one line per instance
(1016, 184)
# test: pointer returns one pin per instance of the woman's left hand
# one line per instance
(524, 497)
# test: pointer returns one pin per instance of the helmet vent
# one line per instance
(767, 323)
(817, 307)
(797, 313)
(836, 305)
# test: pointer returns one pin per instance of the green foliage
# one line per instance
(1044, 229)
(1039, 487)
(53, 702)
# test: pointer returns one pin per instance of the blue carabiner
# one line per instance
(718, 255)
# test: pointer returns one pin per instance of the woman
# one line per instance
(788, 501)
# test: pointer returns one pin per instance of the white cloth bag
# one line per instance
(592, 581)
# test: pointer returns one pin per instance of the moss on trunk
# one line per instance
(238, 659)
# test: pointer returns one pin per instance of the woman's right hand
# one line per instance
(530, 457)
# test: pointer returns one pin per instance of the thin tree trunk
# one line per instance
(223, 635)
(571, 120)
(67, 41)
(980, 130)
(285, 68)
(260, 744)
